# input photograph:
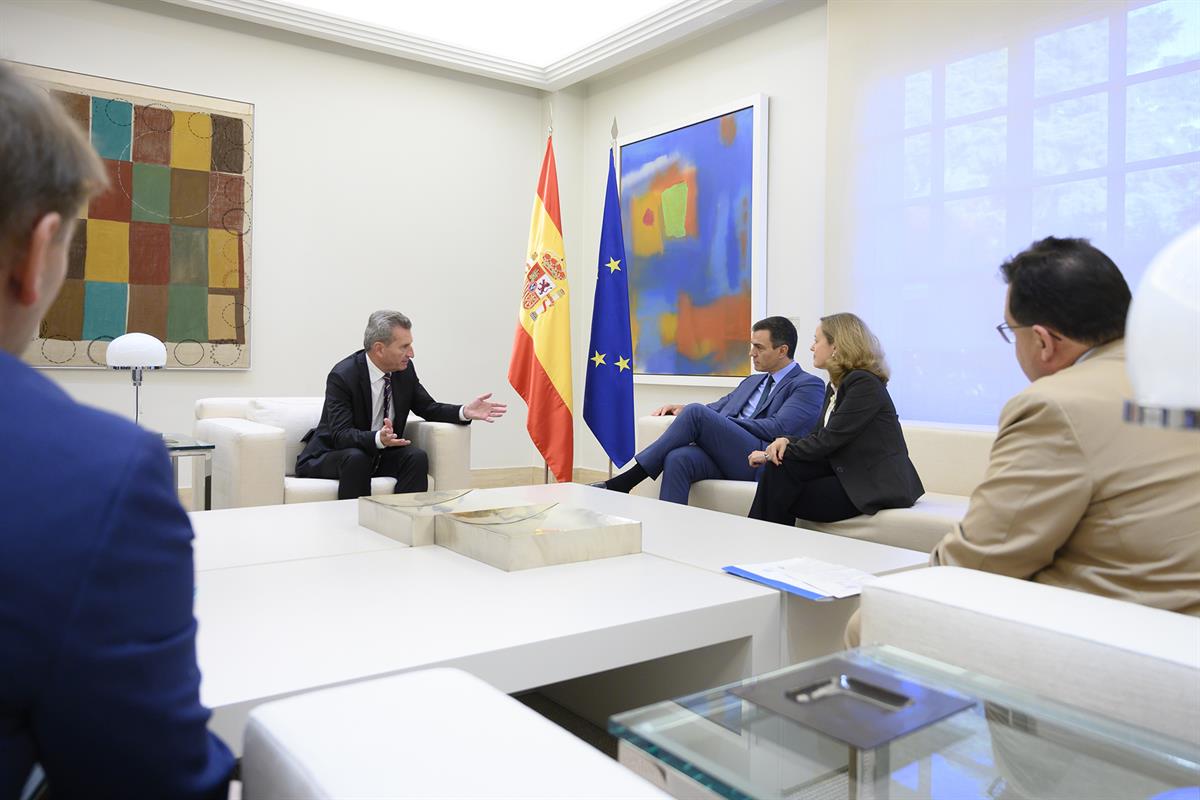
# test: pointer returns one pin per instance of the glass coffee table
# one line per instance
(181, 445)
(1008, 743)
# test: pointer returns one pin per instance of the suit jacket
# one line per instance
(864, 444)
(791, 407)
(98, 675)
(1076, 497)
(346, 418)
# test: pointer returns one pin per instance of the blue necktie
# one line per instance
(765, 396)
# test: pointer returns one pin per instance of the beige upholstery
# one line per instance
(951, 460)
(1133, 663)
(258, 439)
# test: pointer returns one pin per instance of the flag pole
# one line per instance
(613, 147)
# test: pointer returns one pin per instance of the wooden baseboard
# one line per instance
(527, 476)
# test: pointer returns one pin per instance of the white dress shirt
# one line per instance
(376, 376)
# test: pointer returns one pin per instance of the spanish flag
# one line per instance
(540, 368)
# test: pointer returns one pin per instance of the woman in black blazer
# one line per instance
(855, 460)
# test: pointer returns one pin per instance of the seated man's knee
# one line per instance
(356, 461)
(420, 459)
(681, 460)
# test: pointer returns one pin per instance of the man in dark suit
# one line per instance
(98, 675)
(368, 396)
(713, 441)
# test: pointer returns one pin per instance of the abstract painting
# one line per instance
(166, 249)
(694, 201)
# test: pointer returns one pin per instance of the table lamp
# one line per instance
(1162, 339)
(136, 352)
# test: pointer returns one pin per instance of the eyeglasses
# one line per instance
(1004, 329)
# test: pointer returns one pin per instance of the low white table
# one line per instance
(291, 598)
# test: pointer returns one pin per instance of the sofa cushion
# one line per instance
(951, 459)
(313, 490)
(917, 528)
(296, 415)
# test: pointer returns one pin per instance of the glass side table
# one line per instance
(182, 446)
(1008, 744)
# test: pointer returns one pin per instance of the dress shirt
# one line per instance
(752, 402)
(376, 377)
(832, 402)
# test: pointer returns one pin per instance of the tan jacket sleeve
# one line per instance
(1036, 490)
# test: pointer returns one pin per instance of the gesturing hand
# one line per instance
(388, 437)
(484, 409)
(775, 450)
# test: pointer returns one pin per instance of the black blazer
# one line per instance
(346, 418)
(864, 445)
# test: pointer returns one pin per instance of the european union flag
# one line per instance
(608, 393)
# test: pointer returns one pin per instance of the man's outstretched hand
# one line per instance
(484, 409)
(388, 437)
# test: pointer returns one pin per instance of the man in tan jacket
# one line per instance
(1074, 496)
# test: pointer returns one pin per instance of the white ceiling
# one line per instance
(534, 32)
(546, 44)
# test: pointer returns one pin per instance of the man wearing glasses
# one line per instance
(1074, 496)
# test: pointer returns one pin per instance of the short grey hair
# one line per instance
(380, 326)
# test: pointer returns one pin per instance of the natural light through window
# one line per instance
(1090, 130)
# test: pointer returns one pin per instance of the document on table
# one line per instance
(806, 577)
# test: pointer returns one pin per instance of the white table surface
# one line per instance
(239, 537)
(712, 539)
(291, 598)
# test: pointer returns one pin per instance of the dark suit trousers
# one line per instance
(804, 489)
(353, 469)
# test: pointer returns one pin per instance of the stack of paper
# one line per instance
(807, 577)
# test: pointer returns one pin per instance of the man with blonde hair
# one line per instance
(98, 679)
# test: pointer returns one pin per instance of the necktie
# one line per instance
(765, 396)
(387, 394)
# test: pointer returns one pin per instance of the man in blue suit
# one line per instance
(712, 441)
(98, 676)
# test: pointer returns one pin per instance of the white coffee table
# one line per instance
(291, 598)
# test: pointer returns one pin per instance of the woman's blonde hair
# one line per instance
(857, 348)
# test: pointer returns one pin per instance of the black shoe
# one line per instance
(599, 484)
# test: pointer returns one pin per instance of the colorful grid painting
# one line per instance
(166, 250)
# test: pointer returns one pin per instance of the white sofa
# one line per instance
(1128, 662)
(258, 439)
(438, 733)
(951, 460)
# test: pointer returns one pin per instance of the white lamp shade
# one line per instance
(1162, 333)
(136, 350)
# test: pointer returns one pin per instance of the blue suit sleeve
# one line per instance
(719, 405)
(120, 713)
(798, 413)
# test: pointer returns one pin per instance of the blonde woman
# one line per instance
(855, 460)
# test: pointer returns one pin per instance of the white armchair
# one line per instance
(258, 439)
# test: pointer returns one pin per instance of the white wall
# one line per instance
(378, 183)
(780, 53)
